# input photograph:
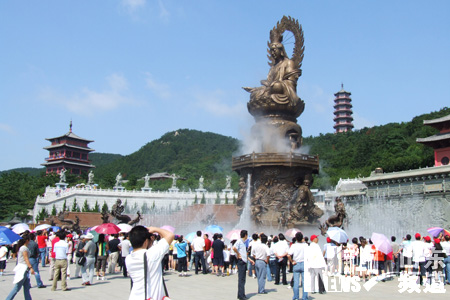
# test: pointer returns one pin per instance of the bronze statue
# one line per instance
(277, 95)
(275, 162)
(336, 220)
(105, 217)
(117, 211)
(73, 225)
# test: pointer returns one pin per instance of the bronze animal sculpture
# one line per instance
(336, 220)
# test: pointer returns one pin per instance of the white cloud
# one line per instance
(213, 103)
(162, 90)
(7, 128)
(361, 122)
(133, 5)
(87, 101)
(163, 12)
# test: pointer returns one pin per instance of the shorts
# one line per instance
(407, 261)
(217, 262)
(175, 256)
(2, 264)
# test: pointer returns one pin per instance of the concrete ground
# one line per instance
(201, 287)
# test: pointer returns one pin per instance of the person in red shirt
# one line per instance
(208, 245)
(379, 259)
(53, 257)
(41, 241)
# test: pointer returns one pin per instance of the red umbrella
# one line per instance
(108, 228)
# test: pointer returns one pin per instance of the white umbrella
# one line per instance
(124, 227)
(42, 227)
(337, 234)
(20, 228)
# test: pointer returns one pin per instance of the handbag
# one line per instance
(81, 261)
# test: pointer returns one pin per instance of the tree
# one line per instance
(217, 199)
(105, 208)
(96, 207)
(226, 198)
(203, 199)
(75, 205)
(64, 208)
(54, 210)
(196, 199)
(41, 215)
(85, 207)
(234, 199)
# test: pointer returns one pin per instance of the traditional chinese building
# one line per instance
(440, 142)
(70, 152)
(343, 111)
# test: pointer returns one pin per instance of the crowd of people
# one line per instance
(145, 254)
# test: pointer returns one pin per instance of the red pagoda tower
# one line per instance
(70, 152)
(440, 142)
(343, 111)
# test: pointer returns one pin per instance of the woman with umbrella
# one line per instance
(22, 270)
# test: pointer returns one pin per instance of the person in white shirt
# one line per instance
(418, 257)
(407, 254)
(149, 284)
(446, 247)
(427, 252)
(281, 250)
(198, 246)
(61, 249)
(296, 256)
(124, 247)
(315, 266)
(261, 253)
(3, 253)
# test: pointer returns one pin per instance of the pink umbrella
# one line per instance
(381, 242)
(169, 228)
(107, 228)
(233, 234)
(124, 227)
(291, 232)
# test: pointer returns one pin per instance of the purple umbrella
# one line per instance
(435, 231)
(381, 242)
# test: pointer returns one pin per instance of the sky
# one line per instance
(128, 71)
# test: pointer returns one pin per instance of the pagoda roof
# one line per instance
(72, 135)
(435, 138)
(68, 145)
(68, 162)
(438, 120)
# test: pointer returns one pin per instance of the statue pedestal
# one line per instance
(227, 191)
(119, 188)
(61, 185)
(146, 189)
(200, 190)
(174, 190)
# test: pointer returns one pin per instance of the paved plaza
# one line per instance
(199, 287)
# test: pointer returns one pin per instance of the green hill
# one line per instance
(188, 153)
(392, 147)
